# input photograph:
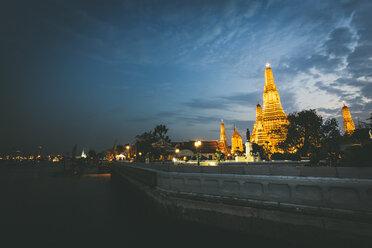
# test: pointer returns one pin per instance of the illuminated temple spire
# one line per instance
(236, 141)
(258, 134)
(223, 141)
(273, 115)
(348, 121)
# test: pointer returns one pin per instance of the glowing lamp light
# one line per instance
(267, 65)
(127, 147)
(197, 143)
(177, 150)
(140, 153)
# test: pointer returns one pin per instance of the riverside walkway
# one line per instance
(293, 203)
(41, 206)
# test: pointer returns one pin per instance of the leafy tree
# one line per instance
(248, 134)
(160, 132)
(330, 140)
(308, 135)
(145, 140)
(218, 155)
(303, 132)
(256, 149)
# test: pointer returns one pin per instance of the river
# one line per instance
(40, 207)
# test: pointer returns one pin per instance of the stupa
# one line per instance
(236, 141)
(258, 134)
(222, 144)
(273, 116)
(348, 121)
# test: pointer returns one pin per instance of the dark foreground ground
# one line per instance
(40, 207)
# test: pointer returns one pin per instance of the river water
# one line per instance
(41, 207)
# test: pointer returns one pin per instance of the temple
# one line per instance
(223, 141)
(236, 141)
(348, 121)
(268, 128)
(258, 135)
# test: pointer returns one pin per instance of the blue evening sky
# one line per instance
(91, 72)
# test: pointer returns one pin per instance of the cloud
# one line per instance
(207, 104)
(339, 42)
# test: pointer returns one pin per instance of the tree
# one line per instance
(219, 155)
(308, 135)
(303, 132)
(331, 140)
(160, 132)
(145, 140)
(248, 134)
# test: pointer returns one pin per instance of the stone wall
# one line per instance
(268, 169)
(288, 207)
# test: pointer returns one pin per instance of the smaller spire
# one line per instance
(267, 65)
(221, 121)
(344, 103)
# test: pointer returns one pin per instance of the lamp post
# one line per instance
(197, 145)
(128, 147)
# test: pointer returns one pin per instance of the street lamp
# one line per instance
(197, 144)
(128, 147)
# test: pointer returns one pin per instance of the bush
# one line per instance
(286, 156)
(278, 156)
(358, 155)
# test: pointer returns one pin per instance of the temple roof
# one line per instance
(207, 146)
(236, 134)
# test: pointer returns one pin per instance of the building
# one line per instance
(258, 134)
(236, 141)
(187, 149)
(223, 141)
(348, 121)
(268, 128)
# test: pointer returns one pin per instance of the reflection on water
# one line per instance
(39, 208)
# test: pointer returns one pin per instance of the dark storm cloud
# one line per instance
(339, 41)
(347, 54)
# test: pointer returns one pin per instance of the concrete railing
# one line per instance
(335, 193)
(303, 210)
(270, 169)
(315, 192)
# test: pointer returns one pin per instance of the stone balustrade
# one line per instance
(276, 203)
(333, 193)
(284, 187)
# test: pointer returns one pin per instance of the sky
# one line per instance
(92, 72)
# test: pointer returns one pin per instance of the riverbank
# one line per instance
(39, 208)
